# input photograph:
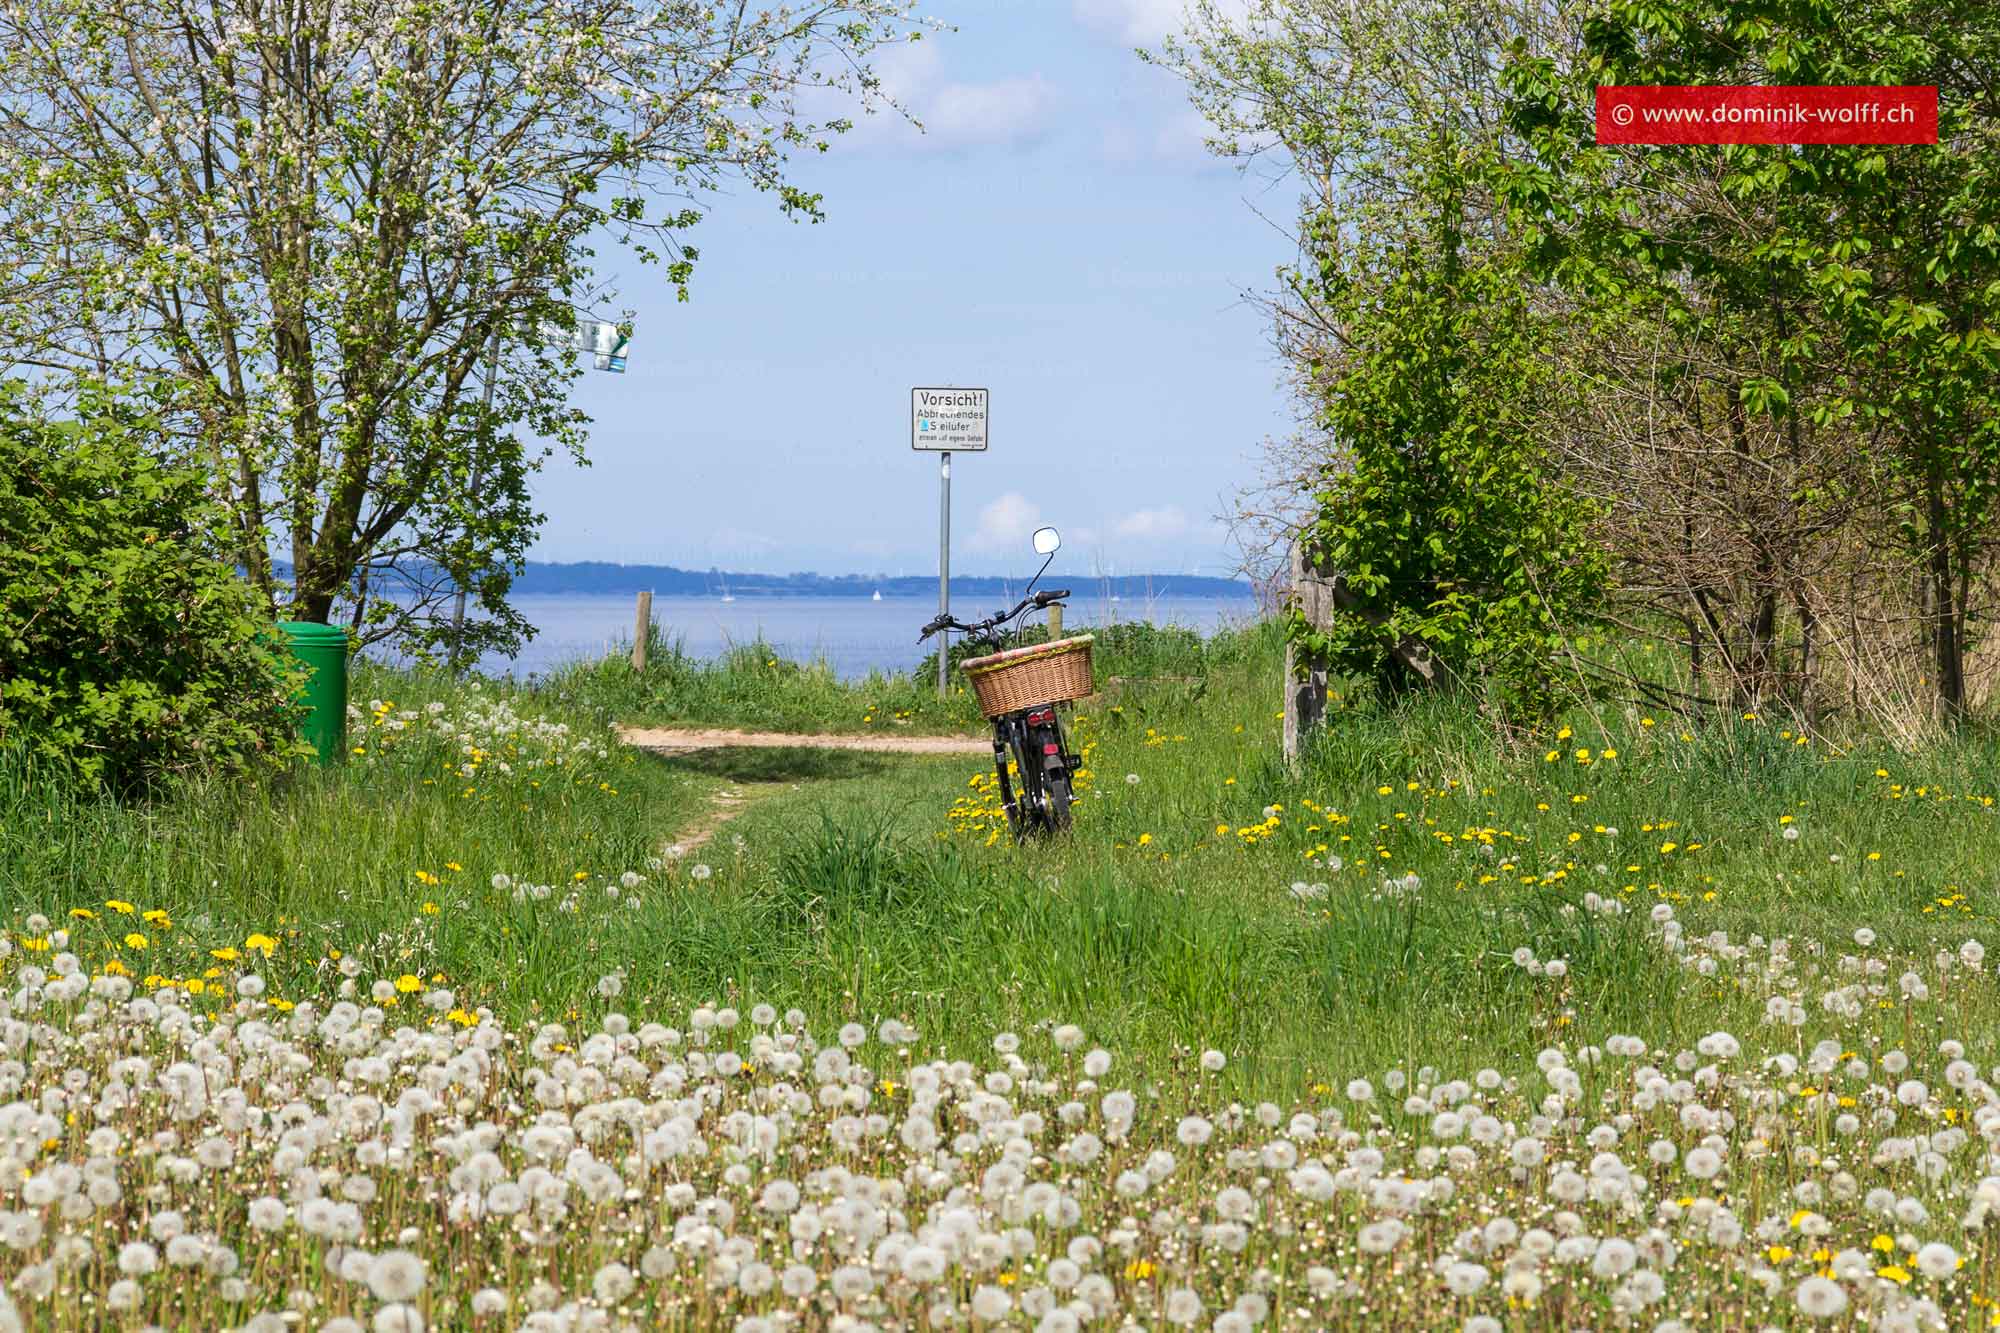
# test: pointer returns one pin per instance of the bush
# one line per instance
(1121, 648)
(129, 649)
(1446, 516)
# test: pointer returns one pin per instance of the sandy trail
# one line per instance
(733, 800)
(720, 738)
(724, 806)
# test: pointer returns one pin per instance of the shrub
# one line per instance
(1445, 516)
(129, 649)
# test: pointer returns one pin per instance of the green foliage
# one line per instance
(847, 896)
(128, 648)
(755, 685)
(1122, 648)
(1854, 284)
(1445, 516)
(354, 285)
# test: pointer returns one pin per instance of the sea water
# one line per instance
(852, 634)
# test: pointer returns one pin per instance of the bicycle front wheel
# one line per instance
(1032, 798)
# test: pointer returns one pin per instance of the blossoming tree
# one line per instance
(327, 241)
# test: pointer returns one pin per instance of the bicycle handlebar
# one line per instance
(1045, 598)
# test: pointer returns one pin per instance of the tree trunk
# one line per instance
(1945, 608)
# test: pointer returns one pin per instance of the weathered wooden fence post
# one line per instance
(1055, 622)
(1305, 694)
(642, 630)
(1319, 593)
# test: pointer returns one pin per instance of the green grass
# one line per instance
(752, 685)
(336, 858)
(850, 888)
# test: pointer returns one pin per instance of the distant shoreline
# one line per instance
(555, 578)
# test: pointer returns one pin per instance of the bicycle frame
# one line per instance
(1044, 765)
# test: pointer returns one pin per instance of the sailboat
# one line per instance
(877, 597)
(727, 596)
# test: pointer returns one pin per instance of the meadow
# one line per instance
(1642, 1021)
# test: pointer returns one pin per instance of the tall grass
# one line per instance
(1622, 936)
(754, 685)
(1362, 909)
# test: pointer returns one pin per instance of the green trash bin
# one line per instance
(323, 698)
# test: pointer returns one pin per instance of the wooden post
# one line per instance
(1319, 593)
(642, 630)
(1305, 698)
(1055, 622)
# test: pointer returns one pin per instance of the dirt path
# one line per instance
(724, 806)
(718, 738)
(730, 801)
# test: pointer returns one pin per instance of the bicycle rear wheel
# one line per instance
(1032, 799)
(1060, 799)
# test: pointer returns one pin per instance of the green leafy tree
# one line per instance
(1444, 515)
(129, 649)
(331, 241)
(1862, 282)
(1347, 103)
(1424, 476)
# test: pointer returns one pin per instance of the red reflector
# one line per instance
(1048, 747)
(1043, 716)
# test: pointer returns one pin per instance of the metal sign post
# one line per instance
(944, 570)
(948, 421)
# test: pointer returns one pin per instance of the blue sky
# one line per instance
(1059, 236)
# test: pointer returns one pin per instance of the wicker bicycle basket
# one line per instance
(1042, 673)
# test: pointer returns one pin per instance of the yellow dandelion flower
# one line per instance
(135, 941)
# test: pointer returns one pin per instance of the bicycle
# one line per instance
(1019, 690)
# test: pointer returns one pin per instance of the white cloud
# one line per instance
(1005, 525)
(1140, 22)
(955, 113)
(1183, 139)
(1004, 111)
(1146, 22)
(1163, 523)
